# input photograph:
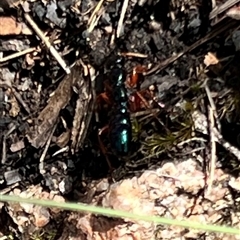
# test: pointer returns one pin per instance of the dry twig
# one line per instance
(133, 54)
(213, 153)
(47, 118)
(120, 22)
(83, 110)
(4, 150)
(218, 10)
(20, 100)
(93, 18)
(52, 50)
(162, 65)
(41, 161)
(62, 150)
(17, 54)
(219, 138)
(213, 106)
(201, 125)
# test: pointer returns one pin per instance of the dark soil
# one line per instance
(49, 120)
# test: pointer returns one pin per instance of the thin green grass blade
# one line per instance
(121, 214)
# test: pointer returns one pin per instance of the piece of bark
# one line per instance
(83, 114)
(44, 123)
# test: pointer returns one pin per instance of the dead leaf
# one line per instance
(210, 59)
(83, 113)
(47, 118)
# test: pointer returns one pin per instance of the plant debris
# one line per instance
(180, 63)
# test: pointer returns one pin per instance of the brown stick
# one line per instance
(162, 65)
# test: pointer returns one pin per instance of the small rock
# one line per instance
(15, 147)
(41, 216)
(59, 199)
(53, 16)
(12, 177)
(28, 208)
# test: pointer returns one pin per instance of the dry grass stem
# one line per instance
(52, 50)
(17, 54)
(212, 164)
(122, 15)
(93, 18)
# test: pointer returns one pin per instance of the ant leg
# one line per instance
(102, 147)
(100, 100)
(138, 101)
(144, 101)
(104, 97)
(136, 77)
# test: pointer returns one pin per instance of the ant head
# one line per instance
(120, 60)
(114, 60)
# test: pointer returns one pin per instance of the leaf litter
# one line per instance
(184, 162)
